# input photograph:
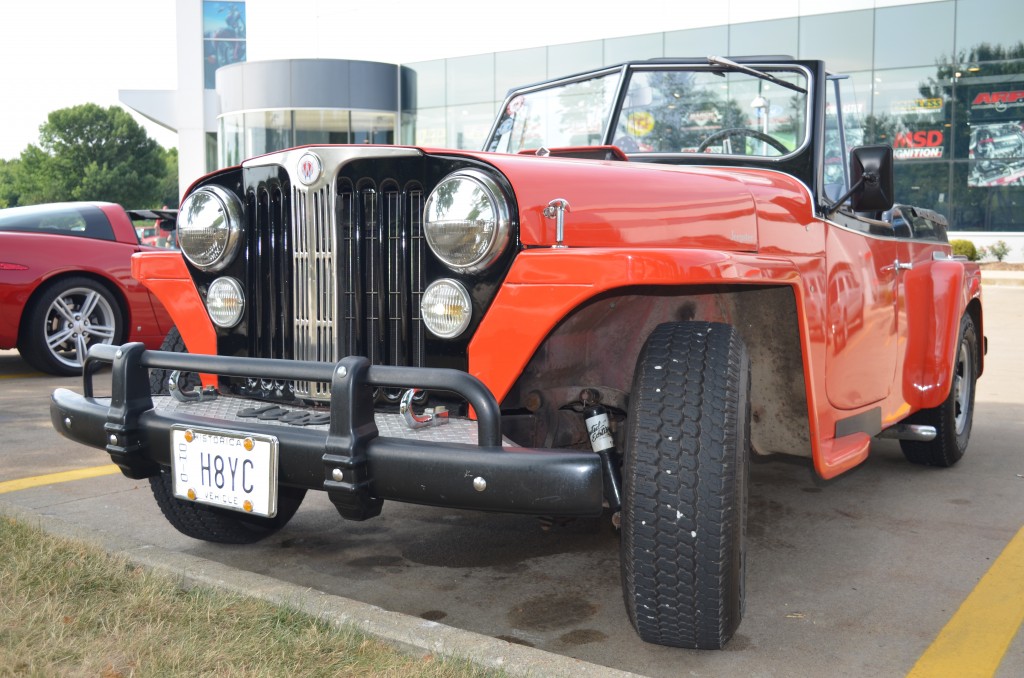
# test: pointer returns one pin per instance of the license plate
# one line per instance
(232, 470)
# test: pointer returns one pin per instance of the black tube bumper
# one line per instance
(349, 459)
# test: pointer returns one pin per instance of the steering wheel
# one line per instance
(740, 132)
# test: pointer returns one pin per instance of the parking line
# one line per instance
(62, 477)
(974, 641)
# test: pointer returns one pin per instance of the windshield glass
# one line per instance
(573, 114)
(665, 110)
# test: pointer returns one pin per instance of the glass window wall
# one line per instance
(764, 37)
(698, 42)
(845, 37)
(267, 131)
(518, 68)
(574, 57)
(649, 46)
(468, 126)
(429, 128)
(322, 127)
(470, 80)
(913, 35)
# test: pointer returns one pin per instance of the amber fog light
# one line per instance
(225, 302)
(209, 228)
(446, 308)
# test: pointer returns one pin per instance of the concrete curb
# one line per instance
(411, 635)
(1003, 278)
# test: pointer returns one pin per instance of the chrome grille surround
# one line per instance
(353, 253)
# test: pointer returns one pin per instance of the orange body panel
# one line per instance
(699, 239)
(165, 275)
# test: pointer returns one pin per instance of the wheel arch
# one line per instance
(597, 344)
(974, 309)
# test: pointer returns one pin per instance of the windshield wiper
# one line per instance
(732, 65)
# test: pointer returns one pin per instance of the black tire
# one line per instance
(68, 317)
(222, 526)
(210, 523)
(954, 418)
(158, 377)
(685, 486)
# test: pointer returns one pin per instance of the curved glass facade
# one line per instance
(245, 134)
(943, 82)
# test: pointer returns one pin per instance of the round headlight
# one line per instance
(466, 220)
(225, 302)
(446, 308)
(209, 228)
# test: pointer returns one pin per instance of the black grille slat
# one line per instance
(335, 270)
(357, 260)
(270, 266)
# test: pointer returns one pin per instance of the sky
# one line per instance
(61, 53)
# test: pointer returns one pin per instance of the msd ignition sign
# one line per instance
(919, 145)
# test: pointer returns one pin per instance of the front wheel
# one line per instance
(222, 526)
(954, 418)
(685, 486)
(200, 521)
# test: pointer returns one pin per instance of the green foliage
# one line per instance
(999, 250)
(964, 248)
(8, 196)
(87, 152)
(167, 189)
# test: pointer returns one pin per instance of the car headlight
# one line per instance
(225, 302)
(446, 308)
(210, 227)
(466, 220)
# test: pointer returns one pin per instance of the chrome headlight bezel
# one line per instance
(486, 237)
(224, 316)
(210, 228)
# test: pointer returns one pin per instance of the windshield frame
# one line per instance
(627, 71)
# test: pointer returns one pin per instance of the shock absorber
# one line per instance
(603, 443)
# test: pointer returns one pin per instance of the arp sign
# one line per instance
(998, 101)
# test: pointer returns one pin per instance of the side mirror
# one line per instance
(871, 167)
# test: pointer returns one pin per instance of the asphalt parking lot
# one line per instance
(858, 576)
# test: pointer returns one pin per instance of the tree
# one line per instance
(8, 195)
(87, 152)
(167, 189)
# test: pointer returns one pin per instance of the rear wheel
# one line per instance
(66, 319)
(685, 486)
(210, 523)
(954, 418)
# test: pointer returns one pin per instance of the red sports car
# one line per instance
(66, 284)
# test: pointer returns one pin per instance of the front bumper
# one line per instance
(415, 466)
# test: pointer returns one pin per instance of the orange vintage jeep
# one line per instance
(653, 271)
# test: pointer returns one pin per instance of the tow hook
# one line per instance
(432, 416)
(183, 396)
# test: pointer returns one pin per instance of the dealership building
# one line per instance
(942, 82)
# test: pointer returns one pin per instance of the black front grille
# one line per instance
(336, 271)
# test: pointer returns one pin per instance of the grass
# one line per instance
(70, 609)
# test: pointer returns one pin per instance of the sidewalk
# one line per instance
(1002, 278)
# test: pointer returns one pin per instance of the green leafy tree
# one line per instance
(167, 190)
(8, 195)
(87, 152)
